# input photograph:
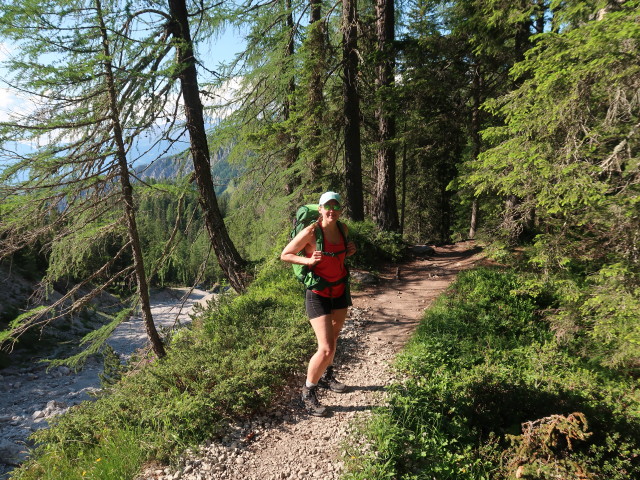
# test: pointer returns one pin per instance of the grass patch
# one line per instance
(483, 365)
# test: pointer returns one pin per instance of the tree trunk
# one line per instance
(474, 219)
(385, 211)
(475, 139)
(403, 179)
(127, 196)
(230, 261)
(317, 47)
(292, 151)
(351, 109)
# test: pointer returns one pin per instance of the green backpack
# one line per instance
(305, 216)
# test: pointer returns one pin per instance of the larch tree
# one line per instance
(73, 188)
(292, 151)
(232, 264)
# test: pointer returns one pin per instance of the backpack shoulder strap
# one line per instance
(342, 232)
(319, 237)
(344, 239)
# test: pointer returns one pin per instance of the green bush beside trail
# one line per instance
(481, 365)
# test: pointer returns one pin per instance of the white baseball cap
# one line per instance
(330, 196)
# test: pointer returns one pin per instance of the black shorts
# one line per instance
(318, 306)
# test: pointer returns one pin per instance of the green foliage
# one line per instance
(567, 157)
(229, 363)
(94, 342)
(112, 367)
(374, 245)
(16, 324)
(481, 364)
(116, 456)
(567, 148)
(177, 250)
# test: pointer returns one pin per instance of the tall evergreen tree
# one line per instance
(315, 68)
(385, 211)
(569, 150)
(292, 150)
(66, 190)
(351, 105)
(125, 183)
(229, 259)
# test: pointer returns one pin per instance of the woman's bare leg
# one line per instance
(337, 322)
(325, 335)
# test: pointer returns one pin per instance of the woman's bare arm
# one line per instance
(306, 237)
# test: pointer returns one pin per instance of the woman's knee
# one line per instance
(326, 351)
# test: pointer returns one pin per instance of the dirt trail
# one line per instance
(396, 304)
(285, 443)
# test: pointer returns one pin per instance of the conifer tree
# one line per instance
(351, 107)
(385, 212)
(315, 68)
(263, 125)
(66, 191)
(569, 150)
(232, 264)
(292, 150)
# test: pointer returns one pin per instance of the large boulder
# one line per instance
(364, 278)
(423, 250)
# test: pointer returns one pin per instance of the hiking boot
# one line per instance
(328, 380)
(310, 402)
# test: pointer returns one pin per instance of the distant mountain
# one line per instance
(176, 167)
(166, 168)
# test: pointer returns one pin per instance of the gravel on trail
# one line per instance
(285, 442)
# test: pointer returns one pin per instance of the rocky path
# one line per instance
(30, 394)
(286, 443)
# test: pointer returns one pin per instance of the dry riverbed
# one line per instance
(30, 394)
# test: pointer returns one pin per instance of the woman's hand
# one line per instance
(315, 258)
(351, 249)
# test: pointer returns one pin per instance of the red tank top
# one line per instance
(332, 268)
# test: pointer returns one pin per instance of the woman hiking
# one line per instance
(326, 307)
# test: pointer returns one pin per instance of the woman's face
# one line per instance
(331, 210)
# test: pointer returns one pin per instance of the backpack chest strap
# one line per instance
(334, 254)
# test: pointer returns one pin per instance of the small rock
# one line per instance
(364, 278)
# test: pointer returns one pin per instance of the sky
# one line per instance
(222, 49)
